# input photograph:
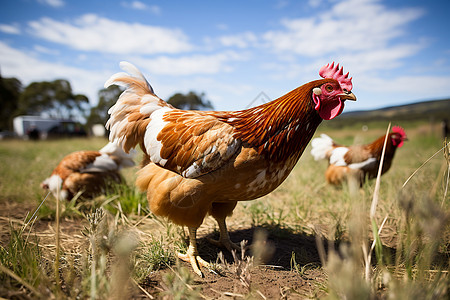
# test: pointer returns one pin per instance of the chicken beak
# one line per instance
(348, 96)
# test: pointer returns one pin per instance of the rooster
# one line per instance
(203, 162)
(356, 162)
(89, 172)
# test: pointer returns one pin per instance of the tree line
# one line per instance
(57, 100)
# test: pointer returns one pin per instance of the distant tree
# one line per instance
(52, 98)
(10, 89)
(106, 98)
(190, 101)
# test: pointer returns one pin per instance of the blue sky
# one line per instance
(397, 51)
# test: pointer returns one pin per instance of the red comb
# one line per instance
(399, 130)
(332, 71)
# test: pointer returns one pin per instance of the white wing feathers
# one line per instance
(321, 146)
(138, 97)
(102, 163)
(152, 145)
(337, 156)
(130, 70)
(126, 159)
(368, 163)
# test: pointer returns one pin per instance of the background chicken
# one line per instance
(198, 163)
(88, 171)
(356, 162)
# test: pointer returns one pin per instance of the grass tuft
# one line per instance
(22, 263)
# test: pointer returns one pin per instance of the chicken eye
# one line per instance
(329, 88)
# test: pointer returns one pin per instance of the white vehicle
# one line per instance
(40, 127)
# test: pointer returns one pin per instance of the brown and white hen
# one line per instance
(357, 162)
(89, 172)
(198, 163)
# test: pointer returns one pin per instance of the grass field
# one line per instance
(308, 239)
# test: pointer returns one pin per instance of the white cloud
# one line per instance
(45, 50)
(222, 26)
(10, 28)
(348, 26)
(242, 40)
(190, 65)
(138, 5)
(375, 92)
(314, 3)
(52, 3)
(382, 59)
(93, 33)
(363, 34)
(281, 4)
(413, 87)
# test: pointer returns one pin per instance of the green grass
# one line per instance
(152, 256)
(127, 199)
(23, 257)
(411, 257)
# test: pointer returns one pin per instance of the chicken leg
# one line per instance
(192, 255)
(224, 238)
(219, 211)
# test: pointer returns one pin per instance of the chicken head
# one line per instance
(329, 98)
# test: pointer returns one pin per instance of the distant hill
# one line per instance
(435, 110)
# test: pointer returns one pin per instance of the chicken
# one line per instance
(88, 171)
(203, 162)
(356, 162)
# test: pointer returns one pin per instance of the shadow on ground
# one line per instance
(281, 244)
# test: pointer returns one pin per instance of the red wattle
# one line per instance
(331, 109)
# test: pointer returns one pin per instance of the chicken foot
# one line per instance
(192, 255)
(224, 240)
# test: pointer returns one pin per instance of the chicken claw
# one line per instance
(195, 260)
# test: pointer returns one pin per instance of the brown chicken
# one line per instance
(356, 162)
(198, 163)
(88, 171)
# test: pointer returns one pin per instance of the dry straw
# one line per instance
(373, 208)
